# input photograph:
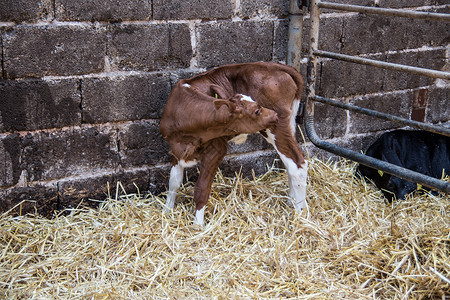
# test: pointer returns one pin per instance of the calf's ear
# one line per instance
(223, 110)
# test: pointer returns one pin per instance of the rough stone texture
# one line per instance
(332, 121)
(36, 51)
(39, 104)
(86, 191)
(9, 160)
(59, 154)
(280, 40)
(254, 8)
(141, 144)
(30, 200)
(243, 164)
(121, 98)
(191, 9)
(438, 109)
(339, 79)
(224, 42)
(380, 33)
(25, 10)
(149, 47)
(103, 10)
(83, 85)
(254, 142)
(398, 104)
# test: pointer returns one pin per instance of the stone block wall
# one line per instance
(83, 85)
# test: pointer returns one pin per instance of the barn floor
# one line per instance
(349, 245)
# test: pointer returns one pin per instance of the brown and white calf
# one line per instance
(204, 112)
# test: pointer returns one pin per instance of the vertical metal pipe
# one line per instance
(295, 35)
(312, 60)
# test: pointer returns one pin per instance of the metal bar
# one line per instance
(294, 35)
(374, 163)
(311, 68)
(387, 11)
(384, 116)
(384, 65)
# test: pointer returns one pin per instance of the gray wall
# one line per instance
(83, 84)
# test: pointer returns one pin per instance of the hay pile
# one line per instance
(349, 245)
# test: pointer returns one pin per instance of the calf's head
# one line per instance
(241, 114)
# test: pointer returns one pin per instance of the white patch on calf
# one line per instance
(200, 216)
(187, 164)
(247, 98)
(294, 111)
(297, 176)
(239, 139)
(186, 85)
(175, 181)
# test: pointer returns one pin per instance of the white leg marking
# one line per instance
(200, 216)
(175, 180)
(297, 181)
(297, 177)
(294, 110)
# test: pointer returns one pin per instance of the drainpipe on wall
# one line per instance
(295, 34)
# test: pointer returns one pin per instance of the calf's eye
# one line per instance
(257, 112)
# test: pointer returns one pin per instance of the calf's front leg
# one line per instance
(175, 181)
(211, 157)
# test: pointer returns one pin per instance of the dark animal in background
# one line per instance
(421, 151)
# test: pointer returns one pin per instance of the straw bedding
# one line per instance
(349, 244)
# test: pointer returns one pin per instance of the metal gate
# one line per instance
(308, 112)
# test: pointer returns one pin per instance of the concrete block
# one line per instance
(149, 47)
(87, 191)
(266, 8)
(398, 104)
(339, 79)
(280, 40)
(25, 10)
(108, 11)
(36, 51)
(141, 144)
(91, 191)
(65, 153)
(39, 104)
(380, 34)
(10, 170)
(222, 43)
(405, 4)
(431, 59)
(258, 161)
(330, 34)
(254, 142)
(39, 199)
(159, 179)
(133, 181)
(191, 9)
(438, 110)
(119, 98)
(331, 122)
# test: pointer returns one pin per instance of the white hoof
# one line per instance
(200, 217)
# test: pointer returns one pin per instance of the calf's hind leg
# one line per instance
(290, 153)
(211, 157)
